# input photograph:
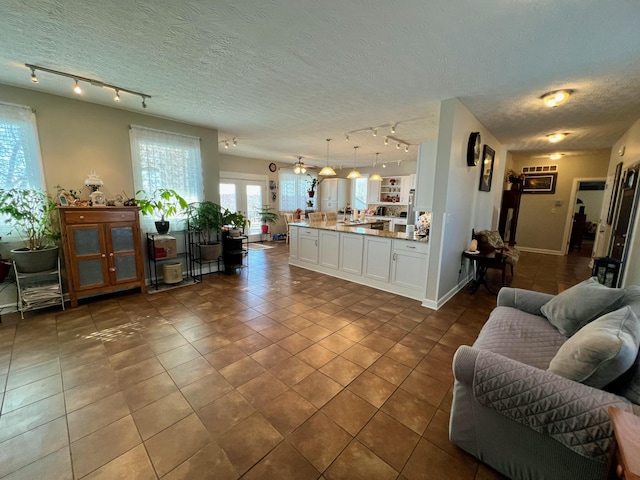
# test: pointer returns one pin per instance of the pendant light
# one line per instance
(354, 173)
(376, 176)
(327, 171)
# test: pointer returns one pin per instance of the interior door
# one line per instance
(623, 223)
(246, 196)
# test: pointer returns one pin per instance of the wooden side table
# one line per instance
(624, 461)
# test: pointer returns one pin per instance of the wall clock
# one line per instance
(272, 167)
(473, 149)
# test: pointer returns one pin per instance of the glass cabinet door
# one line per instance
(87, 250)
(124, 255)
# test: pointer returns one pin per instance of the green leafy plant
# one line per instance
(267, 215)
(163, 201)
(206, 218)
(235, 219)
(31, 212)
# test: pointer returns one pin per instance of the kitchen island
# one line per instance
(380, 259)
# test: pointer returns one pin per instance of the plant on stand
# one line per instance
(31, 213)
(164, 202)
(267, 216)
(236, 220)
(205, 218)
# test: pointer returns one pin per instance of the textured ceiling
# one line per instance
(284, 75)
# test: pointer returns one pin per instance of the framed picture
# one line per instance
(614, 193)
(486, 170)
(539, 183)
(62, 199)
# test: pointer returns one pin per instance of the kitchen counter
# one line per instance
(359, 228)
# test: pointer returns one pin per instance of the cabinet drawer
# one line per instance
(99, 216)
(410, 246)
(309, 232)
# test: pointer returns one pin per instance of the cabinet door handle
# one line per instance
(112, 269)
(81, 217)
(103, 256)
(394, 256)
(411, 246)
(316, 243)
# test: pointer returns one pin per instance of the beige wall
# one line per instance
(541, 223)
(77, 137)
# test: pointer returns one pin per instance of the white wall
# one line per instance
(458, 205)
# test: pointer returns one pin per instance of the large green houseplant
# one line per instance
(267, 216)
(164, 202)
(236, 220)
(205, 221)
(31, 213)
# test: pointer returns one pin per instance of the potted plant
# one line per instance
(205, 218)
(31, 213)
(267, 216)
(164, 202)
(236, 220)
(312, 187)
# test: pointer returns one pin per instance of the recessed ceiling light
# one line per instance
(557, 97)
(556, 137)
(556, 156)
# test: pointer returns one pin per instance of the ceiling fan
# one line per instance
(301, 168)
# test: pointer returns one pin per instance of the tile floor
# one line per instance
(273, 373)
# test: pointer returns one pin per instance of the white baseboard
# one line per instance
(439, 303)
(540, 250)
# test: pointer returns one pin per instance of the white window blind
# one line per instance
(166, 160)
(293, 191)
(20, 160)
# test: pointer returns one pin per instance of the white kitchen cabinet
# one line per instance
(351, 248)
(390, 190)
(409, 264)
(377, 257)
(334, 194)
(293, 242)
(329, 249)
(373, 191)
(308, 245)
(408, 182)
(425, 176)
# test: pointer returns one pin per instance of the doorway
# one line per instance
(246, 195)
(583, 216)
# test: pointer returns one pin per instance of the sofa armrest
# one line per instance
(525, 300)
(569, 412)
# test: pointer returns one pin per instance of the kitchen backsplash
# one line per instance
(390, 210)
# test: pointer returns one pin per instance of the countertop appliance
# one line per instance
(380, 211)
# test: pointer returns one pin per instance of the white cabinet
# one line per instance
(377, 257)
(329, 249)
(293, 242)
(308, 245)
(351, 246)
(373, 191)
(390, 190)
(409, 264)
(408, 183)
(334, 194)
(425, 176)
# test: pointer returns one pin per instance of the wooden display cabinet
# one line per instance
(102, 250)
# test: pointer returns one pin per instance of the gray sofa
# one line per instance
(525, 421)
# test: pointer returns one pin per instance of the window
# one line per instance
(359, 192)
(293, 191)
(20, 161)
(166, 160)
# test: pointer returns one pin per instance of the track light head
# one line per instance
(406, 148)
(235, 142)
(116, 98)
(375, 132)
(76, 88)
(226, 144)
(386, 140)
(34, 79)
(393, 127)
(346, 137)
(144, 102)
(398, 146)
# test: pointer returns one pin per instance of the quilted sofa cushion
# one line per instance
(600, 351)
(572, 309)
(520, 336)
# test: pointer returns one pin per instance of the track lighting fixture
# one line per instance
(229, 141)
(346, 137)
(354, 173)
(386, 140)
(397, 146)
(406, 148)
(376, 176)
(327, 171)
(393, 127)
(375, 132)
(384, 165)
(96, 83)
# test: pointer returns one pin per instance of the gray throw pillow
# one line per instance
(572, 309)
(601, 351)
